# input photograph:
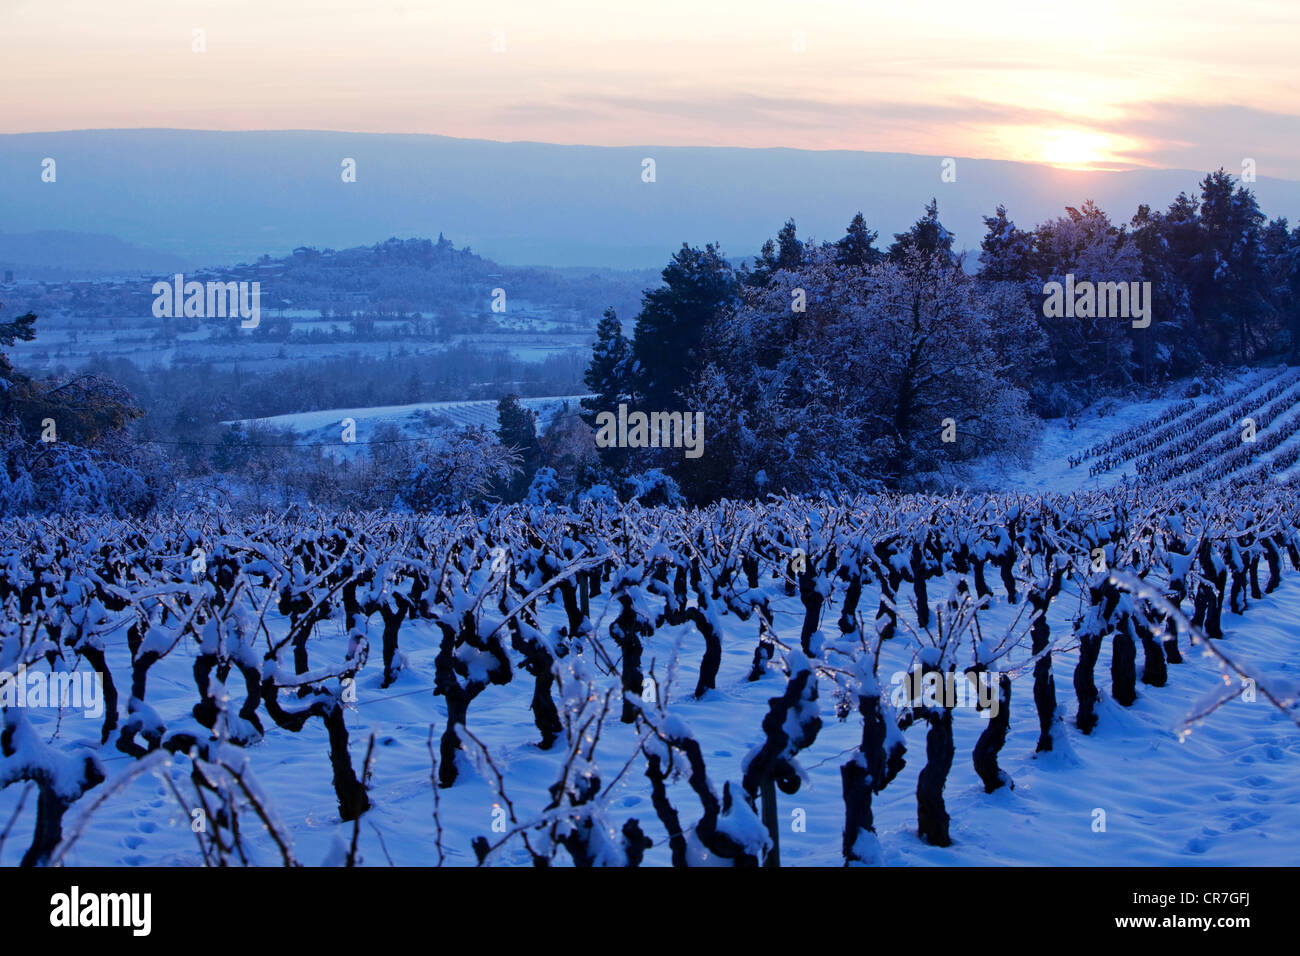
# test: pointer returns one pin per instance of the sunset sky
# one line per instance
(1185, 84)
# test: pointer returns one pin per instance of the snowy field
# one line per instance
(422, 419)
(72, 342)
(1151, 784)
(1225, 795)
(1154, 783)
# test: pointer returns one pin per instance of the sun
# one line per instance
(1074, 148)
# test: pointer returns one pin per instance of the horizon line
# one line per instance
(1065, 168)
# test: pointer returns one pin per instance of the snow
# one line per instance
(1050, 471)
(742, 825)
(1224, 794)
(1220, 791)
(459, 414)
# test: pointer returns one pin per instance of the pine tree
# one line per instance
(1230, 294)
(858, 248)
(1006, 252)
(789, 250)
(1282, 249)
(699, 285)
(786, 253)
(1171, 250)
(928, 237)
(517, 429)
(608, 376)
(607, 373)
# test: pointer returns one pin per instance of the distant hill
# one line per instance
(60, 254)
(221, 197)
(394, 278)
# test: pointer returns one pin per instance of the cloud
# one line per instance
(749, 109)
(1191, 136)
(1166, 134)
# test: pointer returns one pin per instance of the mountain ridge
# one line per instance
(219, 197)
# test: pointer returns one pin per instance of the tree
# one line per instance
(858, 248)
(1171, 250)
(86, 409)
(21, 329)
(933, 356)
(786, 253)
(607, 374)
(517, 430)
(1006, 252)
(1282, 249)
(1230, 290)
(63, 443)
(1008, 268)
(675, 320)
(568, 449)
(861, 391)
(1098, 352)
(927, 237)
(442, 473)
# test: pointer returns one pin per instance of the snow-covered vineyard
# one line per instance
(1247, 434)
(1095, 679)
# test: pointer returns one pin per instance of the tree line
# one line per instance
(842, 366)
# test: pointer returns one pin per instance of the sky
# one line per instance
(1106, 84)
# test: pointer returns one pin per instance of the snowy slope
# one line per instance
(412, 419)
(1050, 469)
